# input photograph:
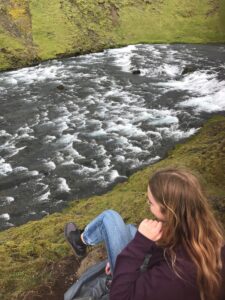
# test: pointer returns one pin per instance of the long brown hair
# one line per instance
(190, 223)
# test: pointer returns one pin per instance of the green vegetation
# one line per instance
(173, 21)
(35, 30)
(26, 251)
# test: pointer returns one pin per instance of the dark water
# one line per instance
(75, 127)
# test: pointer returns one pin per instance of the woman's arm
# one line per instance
(158, 282)
(127, 268)
(129, 283)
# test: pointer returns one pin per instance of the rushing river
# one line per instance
(74, 127)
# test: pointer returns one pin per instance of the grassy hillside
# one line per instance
(26, 251)
(34, 30)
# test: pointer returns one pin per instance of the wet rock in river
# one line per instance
(136, 72)
(60, 87)
(189, 69)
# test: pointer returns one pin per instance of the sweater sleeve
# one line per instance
(129, 283)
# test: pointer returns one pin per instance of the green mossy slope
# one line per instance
(35, 30)
(26, 251)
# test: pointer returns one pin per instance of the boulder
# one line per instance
(136, 72)
(60, 87)
(189, 69)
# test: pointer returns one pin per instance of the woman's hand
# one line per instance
(107, 269)
(151, 229)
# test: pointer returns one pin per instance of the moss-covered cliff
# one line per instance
(26, 251)
(34, 30)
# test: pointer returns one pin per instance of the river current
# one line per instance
(75, 127)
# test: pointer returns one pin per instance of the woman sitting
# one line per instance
(178, 256)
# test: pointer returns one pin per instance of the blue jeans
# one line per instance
(109, 227)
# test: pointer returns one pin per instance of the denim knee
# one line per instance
(111, 212)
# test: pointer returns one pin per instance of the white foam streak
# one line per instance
(199, 82)
(113, 175)
(5, 217)
(62, 185)
(32, 74)
(5, 168)
(175, 133)
(20, 169)
(44, 197)
(50, 165)
(123, 57)
(171, 70)
(209, 103)
(97, 133)
(165, 120)
(208, 93)
(9, 199)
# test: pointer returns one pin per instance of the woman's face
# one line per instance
(155, 206)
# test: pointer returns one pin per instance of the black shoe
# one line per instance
(72, 235)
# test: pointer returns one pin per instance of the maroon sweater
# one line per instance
(158, 281)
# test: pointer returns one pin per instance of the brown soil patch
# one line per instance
(114, 15)
(63, 274)
(215, 6)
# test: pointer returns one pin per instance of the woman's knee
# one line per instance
(112, 217)
(111, 213)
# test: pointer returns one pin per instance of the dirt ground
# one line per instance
(63, 273)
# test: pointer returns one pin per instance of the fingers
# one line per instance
(152, 229)
(152, 223)
(107, 269)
